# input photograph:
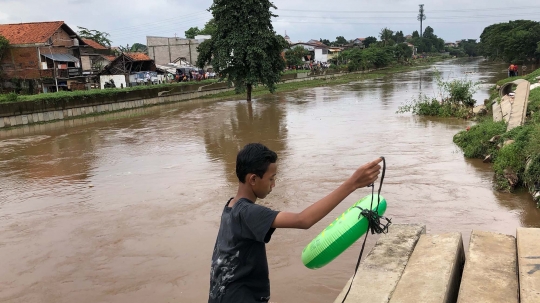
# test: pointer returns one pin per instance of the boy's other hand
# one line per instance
(366, 175)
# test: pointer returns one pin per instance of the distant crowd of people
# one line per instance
(194, 75)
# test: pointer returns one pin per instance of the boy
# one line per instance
(239, 272)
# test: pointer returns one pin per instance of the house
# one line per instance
(318, 50)
(359, 41)
(124, 68)
(94, 57)
(450, 44)
(41, 57)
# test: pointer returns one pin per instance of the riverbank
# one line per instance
(18, 111)
(515, 154)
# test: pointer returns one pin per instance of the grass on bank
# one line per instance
(521, 158)
(66, 95)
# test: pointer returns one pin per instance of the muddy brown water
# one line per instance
(126, 208)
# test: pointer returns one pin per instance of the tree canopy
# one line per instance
(100, 37)
(209, 29)
(245, 53)
(514, 41)
(295, 55)
(369, 40)
(4, 44)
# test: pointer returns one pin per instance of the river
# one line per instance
(126, 209)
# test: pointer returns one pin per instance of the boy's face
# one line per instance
(263, 186)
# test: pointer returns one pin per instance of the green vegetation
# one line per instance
(209, 29)
(295, 56)
(456, 100)
(515, 154)
(65, 96)
(512, 42)
(248, 53)
(92, 34)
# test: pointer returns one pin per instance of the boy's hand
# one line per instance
(366, 175)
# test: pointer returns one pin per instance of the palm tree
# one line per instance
(386, 35)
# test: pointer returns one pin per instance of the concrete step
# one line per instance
(434, 270)
(528, 250)
(519, 107)
(381, 269)
(490, 274)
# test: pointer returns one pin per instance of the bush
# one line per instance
(425, 106)
(475, 142)
(458, 91)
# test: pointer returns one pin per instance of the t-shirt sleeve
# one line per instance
(257, 222)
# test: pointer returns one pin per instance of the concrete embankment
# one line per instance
(407, 265)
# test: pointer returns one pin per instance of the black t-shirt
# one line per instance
(239, 272)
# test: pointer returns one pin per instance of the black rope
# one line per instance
(374, 223)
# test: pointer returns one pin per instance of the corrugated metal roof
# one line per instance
(61, 57)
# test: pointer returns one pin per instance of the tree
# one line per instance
(192, 32)
(399, 37)
(403, 51)
(294, 56)
(386, 35)
(4, 44)
(325, 42)
(470, 47)
(135, 48)
(100, 37)
(340, 40)
(514, 41)
(208, 29)
(429, 33)
(369, 40)
(245, 53)
(415, 34)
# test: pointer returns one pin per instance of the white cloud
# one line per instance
(131, 21)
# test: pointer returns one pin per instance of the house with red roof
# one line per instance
(42, 57)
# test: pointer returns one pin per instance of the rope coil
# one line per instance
(374, 222)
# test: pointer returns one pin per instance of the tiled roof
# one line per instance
(93, 44)
(110, 58)
(27, 33)
(138, 56)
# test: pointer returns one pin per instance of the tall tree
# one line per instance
(295, 55)
(511, 41)
(369, 40)
(399, 37)
(100, 37)
(386, 35)
(208, 29)
(192, 32)
(340, 40)
(415, 34)
(245, 53)
(325, 42)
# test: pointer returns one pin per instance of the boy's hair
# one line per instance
(254, 158)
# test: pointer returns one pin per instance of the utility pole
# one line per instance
(421, 17)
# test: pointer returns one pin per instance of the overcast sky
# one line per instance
(131, 21)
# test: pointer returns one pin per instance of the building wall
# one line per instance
(86, 63)
(21, 63)
(165, 50)
(320, 56)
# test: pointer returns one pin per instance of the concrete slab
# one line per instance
(528, 249)
(433, 273)
(24, 119)
(490, 273)
(1, 122)
(383, 265)
(497, 112)
(519, 107)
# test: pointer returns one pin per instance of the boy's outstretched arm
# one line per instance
(364, 176)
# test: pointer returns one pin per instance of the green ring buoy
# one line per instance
(341, 233)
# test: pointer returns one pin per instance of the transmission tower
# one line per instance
(421, 17)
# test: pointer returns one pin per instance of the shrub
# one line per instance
(475, 142)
